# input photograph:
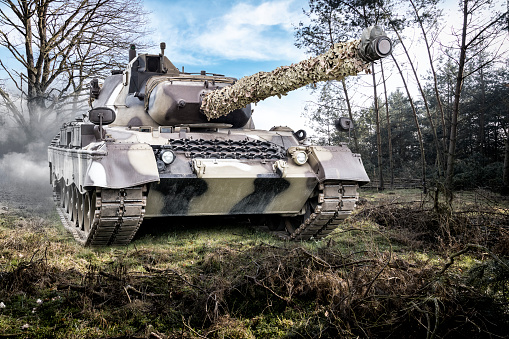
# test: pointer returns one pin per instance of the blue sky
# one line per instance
(241, 37)
(235, 38)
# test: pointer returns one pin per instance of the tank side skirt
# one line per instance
(336, 202)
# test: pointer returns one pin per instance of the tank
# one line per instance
(160, 142)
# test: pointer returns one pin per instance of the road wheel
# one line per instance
(80, 209)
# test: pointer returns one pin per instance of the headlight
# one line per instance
(167, 157)
(300, 157)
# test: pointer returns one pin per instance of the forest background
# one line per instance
(436, 111)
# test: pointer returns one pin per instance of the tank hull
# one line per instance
(118, 181)
(228, 196)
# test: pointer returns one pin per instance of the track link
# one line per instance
(115, 215)
(335, 203)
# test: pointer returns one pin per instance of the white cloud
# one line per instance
(175, 25)
(268, 13)
(205, 33)
(256, 32)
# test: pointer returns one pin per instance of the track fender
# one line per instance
(125, 165)
(337, 163)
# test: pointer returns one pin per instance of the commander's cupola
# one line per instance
(144, 66)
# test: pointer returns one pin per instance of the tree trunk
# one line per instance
(350, 114)
(455, 109)
(430, 118)
(435, 85)
(481, 134)
(505, 176)
(419, 134)
(389, 132)
(378, 134)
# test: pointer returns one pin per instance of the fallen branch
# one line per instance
(169, 270)
(259, 283)
(324, 263)
(82, 289)
(150, 295)
(467, 248)
(109, 275)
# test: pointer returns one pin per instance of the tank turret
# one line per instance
(153, 92)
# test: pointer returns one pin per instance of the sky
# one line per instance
(235, 38)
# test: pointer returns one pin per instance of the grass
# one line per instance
(384, 272)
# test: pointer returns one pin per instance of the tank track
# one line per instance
(335, 203)
(115, 215)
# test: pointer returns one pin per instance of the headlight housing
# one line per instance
(167, 156)
(300, 157)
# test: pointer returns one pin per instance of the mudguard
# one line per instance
(125, 165)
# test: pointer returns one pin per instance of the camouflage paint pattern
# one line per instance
(224, 186)
(104, 165)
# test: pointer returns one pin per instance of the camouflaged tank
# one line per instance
(159, 142)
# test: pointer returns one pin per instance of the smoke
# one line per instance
(24, 171)
(23, 167)
(24, 180)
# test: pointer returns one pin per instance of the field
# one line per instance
(400, 267)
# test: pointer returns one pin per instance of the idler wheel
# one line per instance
(68, 200)
(86, 213)
(62, 194)
(293, 223)
(276, 223)
(91, 211)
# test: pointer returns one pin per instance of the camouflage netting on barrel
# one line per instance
(339, 62)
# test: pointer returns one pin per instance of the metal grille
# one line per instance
(224, 149)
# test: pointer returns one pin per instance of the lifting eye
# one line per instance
(300, 135)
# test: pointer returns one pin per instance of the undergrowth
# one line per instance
(395, 269)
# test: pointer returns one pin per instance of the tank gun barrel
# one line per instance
(342, 60)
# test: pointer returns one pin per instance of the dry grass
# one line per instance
(396, 269)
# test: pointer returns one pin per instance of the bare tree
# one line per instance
(425, 12)
(416, 121)
(57, 45)
(480, 29)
